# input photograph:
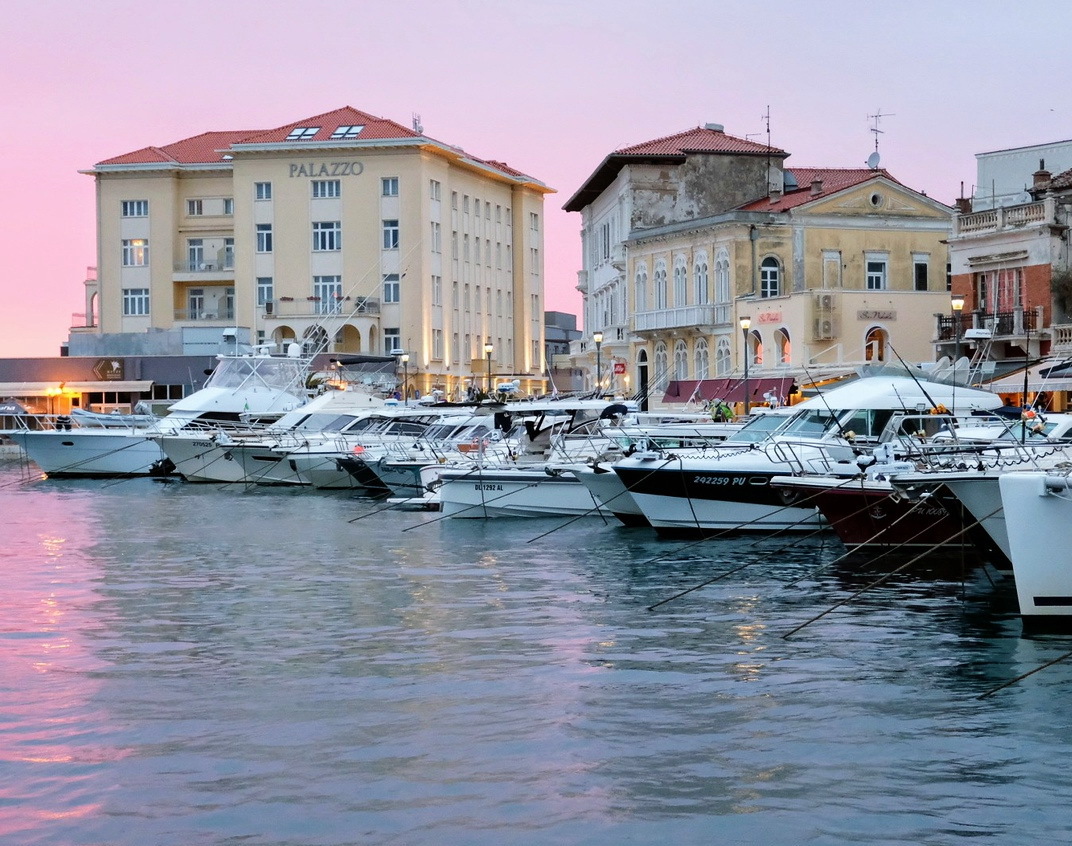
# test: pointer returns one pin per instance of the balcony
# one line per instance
(206, 266)
(286, 307)
(202, 314)
(682, 318)
(1006, 218)
(1017, 323)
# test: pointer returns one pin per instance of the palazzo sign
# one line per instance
(318, 169)
(889, 314)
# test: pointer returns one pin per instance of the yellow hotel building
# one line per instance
(347, 232)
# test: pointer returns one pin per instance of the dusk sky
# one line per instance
(549, 86)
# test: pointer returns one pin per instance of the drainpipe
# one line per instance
(752, 236)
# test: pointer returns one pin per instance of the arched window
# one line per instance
(660, 366)
(681, 286)
(722, 278)
(875, 344)
(641, 288)
(660, 286)
(681, 360)
(699, 279)
(723, 357)
(700, 357)
(755, 349)
(785, 351)
(770, 277)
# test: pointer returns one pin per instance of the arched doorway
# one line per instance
(642, 378)
(875, 343)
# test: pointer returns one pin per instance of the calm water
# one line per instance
(200, 665)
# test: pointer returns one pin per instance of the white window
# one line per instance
(228, 253)
(264, 237)
(135, 301)
(262, 190)
(195, 253)
(641, 295)
(348, 131)
(699, 273)
(135, 208)
(228, 205)
(195, 208)
(437, 238)
(770, 277)
(136, 252)
(455, 348)
(680, 284)
(701, 356)
(265, 290)
(681, 361)
(921, 263)
(876, 271)
(392, 340)
(434, 189)
(437, 343)
(327, 236)
(390, 235)
(660, 366)
(437, 290)
(604, 241)
(326, 189)
(195, 304)
(327, 294)
(302, 133)
(389, 186)
(660, 287)
(722, 279)
(391, 288)
(723, 357)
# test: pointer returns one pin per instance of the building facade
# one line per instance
(346, 232)
(831, 268)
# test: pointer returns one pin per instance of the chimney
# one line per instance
(1041, 177)
(775, 194)
(816, 187)
(964, 205)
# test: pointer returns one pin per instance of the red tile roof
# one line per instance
(211, 147)
(833, 180)
(201, 149)
(376, 128)
(698, 140)
(702, 140)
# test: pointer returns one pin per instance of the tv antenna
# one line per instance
(417, 126)
(873, 159)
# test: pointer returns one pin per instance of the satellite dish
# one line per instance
(872, 160)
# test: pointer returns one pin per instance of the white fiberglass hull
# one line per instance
(514, 493)
(200, 459)
(104, 453)
(606, 486)
(1038, 515)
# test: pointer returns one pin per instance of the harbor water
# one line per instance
(186, 664)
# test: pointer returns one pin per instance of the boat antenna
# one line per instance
(919, 385)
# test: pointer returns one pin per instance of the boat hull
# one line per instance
(82, 454)
(478, 494)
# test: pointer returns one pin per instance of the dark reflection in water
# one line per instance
(198, 665)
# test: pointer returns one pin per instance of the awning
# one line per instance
(108, 387)
(1045, 376)
(730, 390)
(43, 389)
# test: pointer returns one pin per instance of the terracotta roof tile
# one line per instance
(375, 128)
(200, 149)
(833, 180)
(697, 140)
(1062, 180)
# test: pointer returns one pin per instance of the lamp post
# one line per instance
(488, 349)
(956, 302)
(405, 377)
(598, 339)
(746, 324)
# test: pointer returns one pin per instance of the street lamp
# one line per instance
(598, 339)
(956, 302)
(746, 324)
(405, 377)
(488, 349)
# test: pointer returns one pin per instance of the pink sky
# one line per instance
(549, 86)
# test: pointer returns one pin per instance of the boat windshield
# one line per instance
(813, 423)
(757, 429)
(256, 371)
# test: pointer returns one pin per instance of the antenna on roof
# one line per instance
(417, 127)
(873, 159)
(770, 180)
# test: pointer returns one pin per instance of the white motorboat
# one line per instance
(242, 390)
(729, 488)
(1038, 515)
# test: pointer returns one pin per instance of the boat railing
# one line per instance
(69, 423)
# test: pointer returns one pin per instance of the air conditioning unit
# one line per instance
(824, 329)
(824, 302)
